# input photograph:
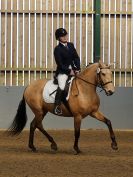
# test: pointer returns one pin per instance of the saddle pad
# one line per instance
(49, 88)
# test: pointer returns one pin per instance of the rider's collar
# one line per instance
(64, 44)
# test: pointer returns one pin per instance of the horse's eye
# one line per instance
(103, 74)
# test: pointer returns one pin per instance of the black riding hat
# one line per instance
(60, 32)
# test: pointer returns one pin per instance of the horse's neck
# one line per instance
(90, 74)
(88, 86)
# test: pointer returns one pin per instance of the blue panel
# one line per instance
(118, 108)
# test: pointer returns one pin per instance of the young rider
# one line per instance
(68, 63)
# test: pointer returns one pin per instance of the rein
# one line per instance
(85, 81)
(100, 85)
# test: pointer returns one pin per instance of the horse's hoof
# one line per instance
(78, 151)
(114, 146)
(54, 146)
(33, 149)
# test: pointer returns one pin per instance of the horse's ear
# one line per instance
(111, 64)
(100, 63)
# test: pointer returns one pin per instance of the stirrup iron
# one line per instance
(58, 110)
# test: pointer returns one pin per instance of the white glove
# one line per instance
(77, 72)
(72, 72)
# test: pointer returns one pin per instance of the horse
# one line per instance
(83, 101)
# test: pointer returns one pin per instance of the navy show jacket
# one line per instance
(65, 57)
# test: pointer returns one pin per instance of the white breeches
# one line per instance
(62, 78)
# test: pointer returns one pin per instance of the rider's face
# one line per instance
(64, 39)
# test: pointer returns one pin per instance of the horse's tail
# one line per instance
(20, 119)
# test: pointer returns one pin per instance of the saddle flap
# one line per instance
(50, 88)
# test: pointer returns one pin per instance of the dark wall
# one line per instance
(118, 108)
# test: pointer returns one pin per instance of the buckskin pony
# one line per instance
(83, 101)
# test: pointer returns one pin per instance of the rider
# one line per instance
(68, 63)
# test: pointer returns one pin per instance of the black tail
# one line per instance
(20, 119)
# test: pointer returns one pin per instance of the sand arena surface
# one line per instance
(96, 160)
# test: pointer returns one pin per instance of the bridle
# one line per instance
(100, 84)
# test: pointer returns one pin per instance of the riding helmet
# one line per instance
(60, 32)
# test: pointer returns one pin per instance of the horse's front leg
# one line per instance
(77, 124)
(98, 115)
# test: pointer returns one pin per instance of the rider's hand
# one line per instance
(77, 72)
(72, 72)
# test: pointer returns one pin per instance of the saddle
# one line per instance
(50, 89)
(66, 90)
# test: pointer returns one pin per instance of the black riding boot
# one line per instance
(57, 109)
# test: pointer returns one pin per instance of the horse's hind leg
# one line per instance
(40, 127)
(98, 115)
(37, 123)
(31, 136)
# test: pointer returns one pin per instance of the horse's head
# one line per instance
(105, 78)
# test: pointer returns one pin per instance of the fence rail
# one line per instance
(27, 37)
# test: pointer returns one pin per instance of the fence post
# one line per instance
(97, 27)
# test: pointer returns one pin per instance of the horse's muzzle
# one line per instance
(109, 92)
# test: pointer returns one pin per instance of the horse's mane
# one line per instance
(92, 65)
(101, 65)
(88, 67)
(89, 64)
